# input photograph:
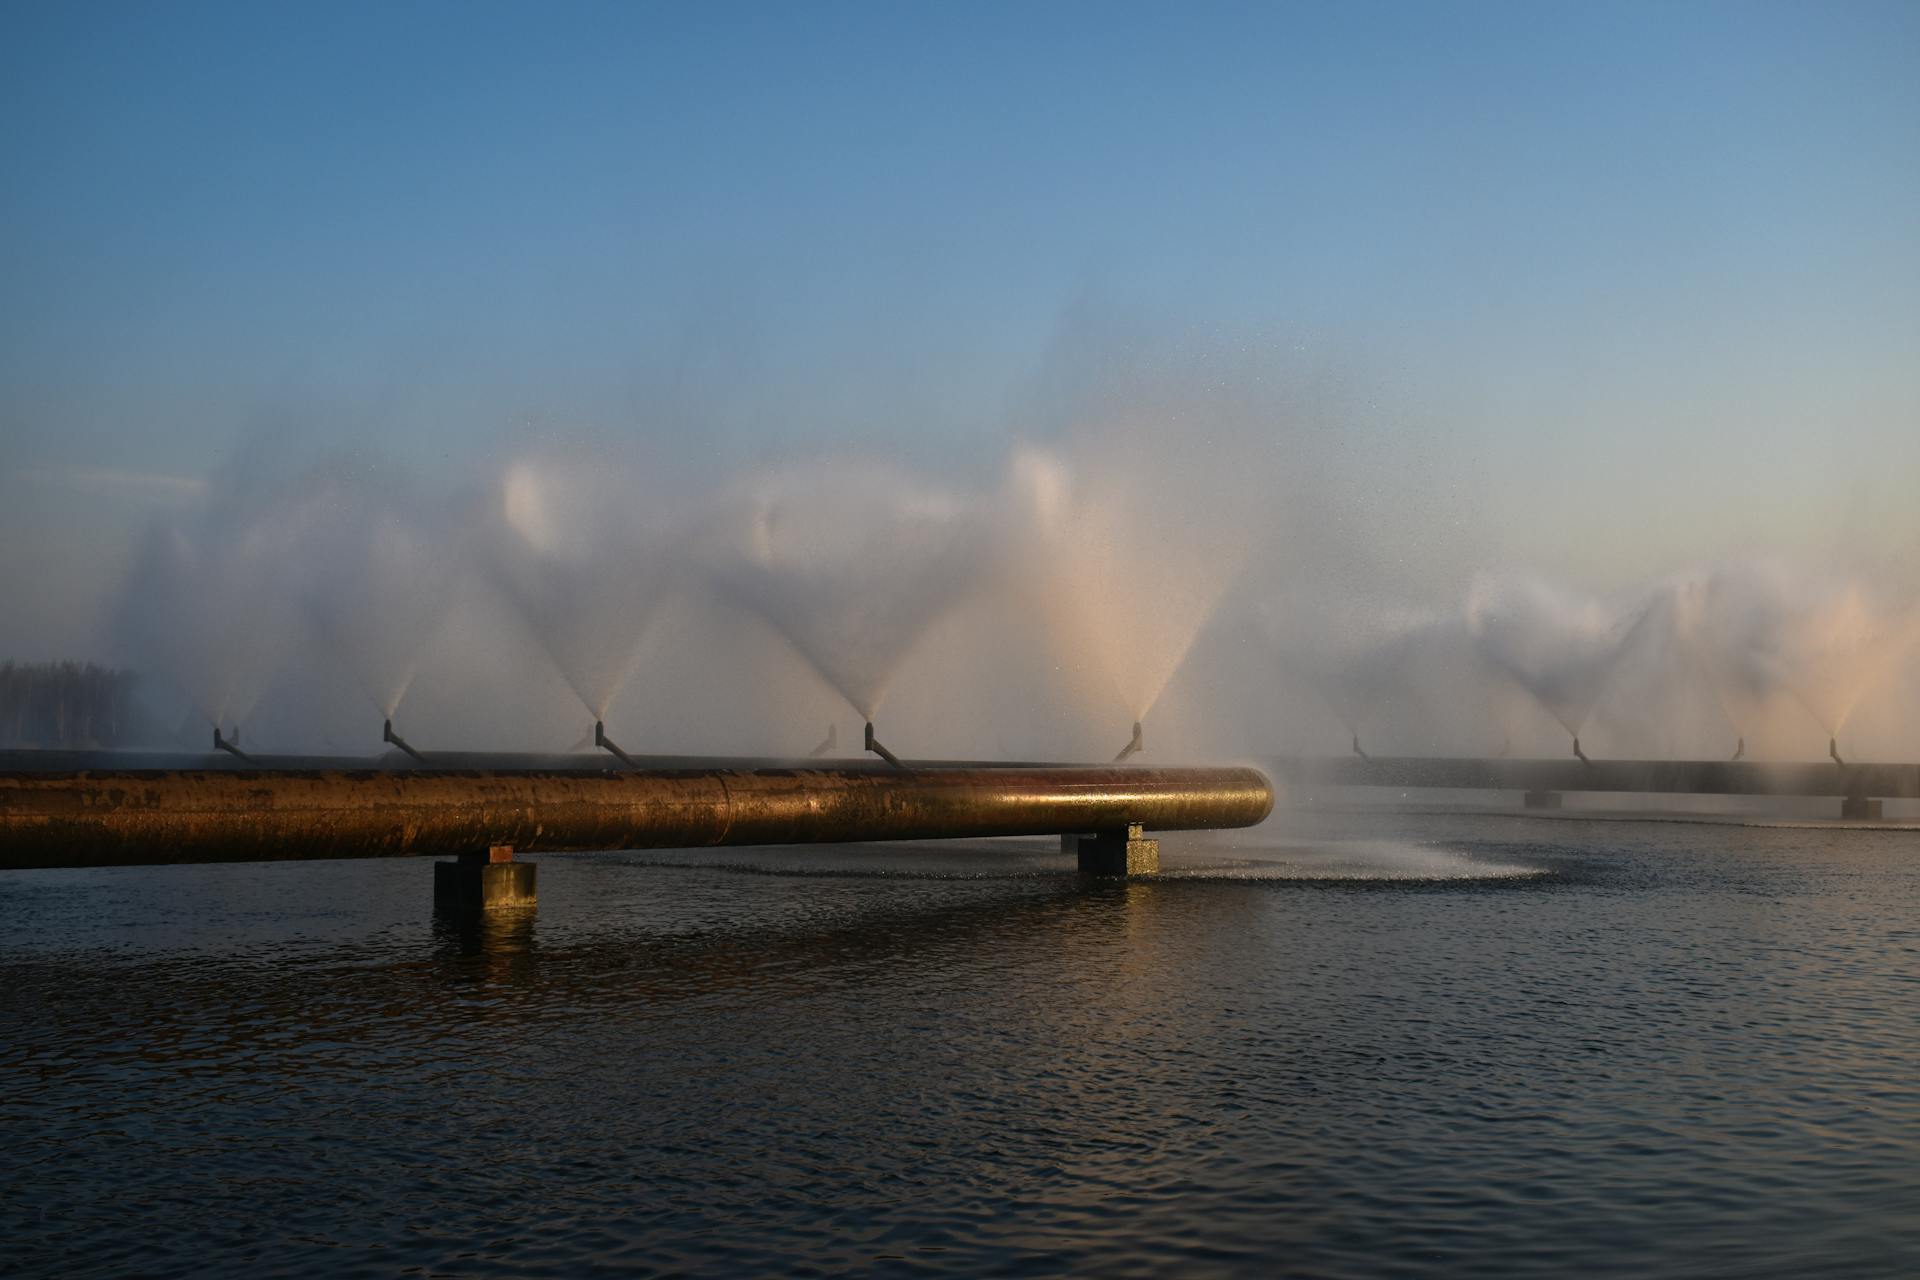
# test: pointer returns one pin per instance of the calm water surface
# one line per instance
(1386, 1044)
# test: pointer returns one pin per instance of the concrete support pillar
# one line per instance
(481, 880)
(1542, 800)
(1115, 853)
(1859, 808)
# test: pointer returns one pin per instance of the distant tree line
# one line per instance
(65, 704)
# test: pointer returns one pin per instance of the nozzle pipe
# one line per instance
(600, 739)
(388, 735)
(231, 748)
(1356, 748)
(1740, 749)
(873, 745)
(1135, 745)
(1578, 752)
(829, 742)
(213, 815)
(1833, 749)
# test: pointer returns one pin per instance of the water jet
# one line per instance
(585, 554)
(851, 564)
(1077, 535)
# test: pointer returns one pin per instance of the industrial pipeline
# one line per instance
(133, 817)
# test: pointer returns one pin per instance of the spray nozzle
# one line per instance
(1135, 745)
(388, 735)
(231, 747)
(873, 745)
(601, 740)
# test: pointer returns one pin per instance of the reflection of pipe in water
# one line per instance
(231, 748)
(1741, 748)
(1577, 751)
(388, 735)
(1356, 748)
(873, 745)
(600, 739)
(829, 742)
(1833, 749)
(1135, 745)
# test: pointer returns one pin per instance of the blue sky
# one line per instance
(1612, 256)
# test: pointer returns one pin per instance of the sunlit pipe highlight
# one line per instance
(601, 740)
(388, 735)
(873, 745)
(134, 817)
(231, 748)
(1134, 746)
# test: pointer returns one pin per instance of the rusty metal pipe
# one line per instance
(166, 816)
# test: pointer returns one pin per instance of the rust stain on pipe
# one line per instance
(162, 816)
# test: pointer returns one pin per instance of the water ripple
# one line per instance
(1475, 1044)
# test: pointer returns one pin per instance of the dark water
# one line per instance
(1385, 1045)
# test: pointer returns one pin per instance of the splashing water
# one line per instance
(1125, 575)
(377, 576)
(1253, 855)
(207, 605)
(851, 563)
(1763, 630)
(1356, 655)
(1559, 646)
(585, 555)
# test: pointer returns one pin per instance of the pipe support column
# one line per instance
(1125, 852)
